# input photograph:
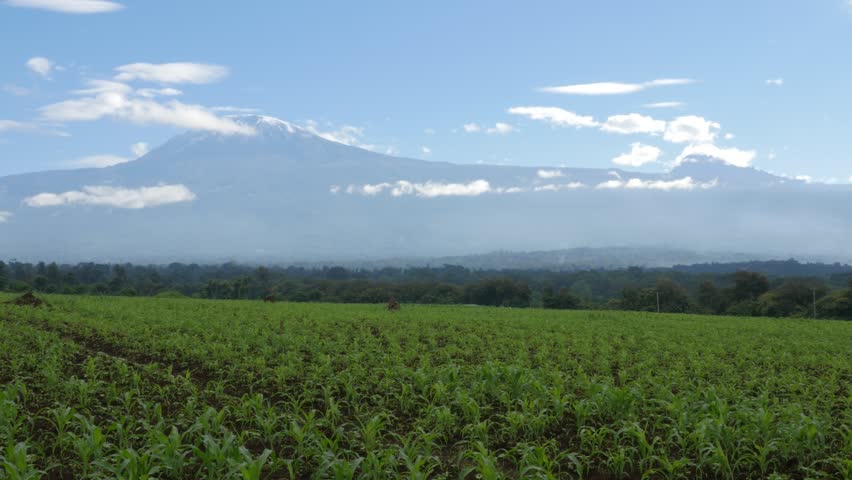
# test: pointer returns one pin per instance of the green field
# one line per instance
(106, 387)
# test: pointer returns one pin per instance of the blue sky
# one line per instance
(762, 83)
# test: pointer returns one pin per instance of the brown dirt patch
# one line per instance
(28, 300)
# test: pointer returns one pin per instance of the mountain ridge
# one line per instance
(288, 194)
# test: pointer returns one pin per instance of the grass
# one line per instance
(106, 387)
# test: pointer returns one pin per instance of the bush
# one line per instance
(170, 294)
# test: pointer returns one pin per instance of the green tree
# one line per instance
(40, 283)
(748, 286)
(710, 299)
(53, 275)
(562, 300)
(119, 279)
(673, 297)
(4, 276)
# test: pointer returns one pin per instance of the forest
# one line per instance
(821, 291)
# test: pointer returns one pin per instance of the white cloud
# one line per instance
(140, 148)
(12, 125)
(107, 160)
(426, 150)
(555, 187)
(639, 155)
(633, 123)
(686, 183)
(178, 72)
(68, 6)
(118, 197)
(99, 161)
(27, 127)
(117, 100)
(4, 216)
(500, 129)
(775, 82)
(729, 136)
(427, 189)
(664, 105)
(691, 129)
(471, 127)
(230, 109)
(555, 116)
(15, 90)
(805, 178)
(614, 88)
(549, 173)
(161, 92)
(347, 135)
(41, 66)
(731, 156)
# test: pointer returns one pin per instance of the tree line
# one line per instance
(742, 293)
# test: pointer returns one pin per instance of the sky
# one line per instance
(636, 85)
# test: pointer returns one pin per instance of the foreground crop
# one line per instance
(159, 388)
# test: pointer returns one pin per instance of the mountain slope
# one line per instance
(287, 194)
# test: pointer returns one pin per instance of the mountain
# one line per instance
(286, 194)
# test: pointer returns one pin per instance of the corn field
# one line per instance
(97, 388)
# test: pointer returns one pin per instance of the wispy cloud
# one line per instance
(15, 90)
(68, 6)
(664, 105)
(107, 160)
(30, 127)
(775, 82)
(731, 156)
(614, 88)
(633, 123)
(139, 149)
(12, 125)
(5, 216)
(178, 72)
(347, 135)
(426, 151)
(110, 99)
(555, 116)
(555, 187)
(231, 109)
(118, 197)
(544, 173)
(425, 189)
(686, 183)
(639, 155)
(158, 92)
(99, 161)
(500, 129)
(691, 129)
(40, 65)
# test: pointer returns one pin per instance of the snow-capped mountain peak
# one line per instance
(267, 124)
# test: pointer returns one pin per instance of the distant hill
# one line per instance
(286, 195)
(776, 268)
